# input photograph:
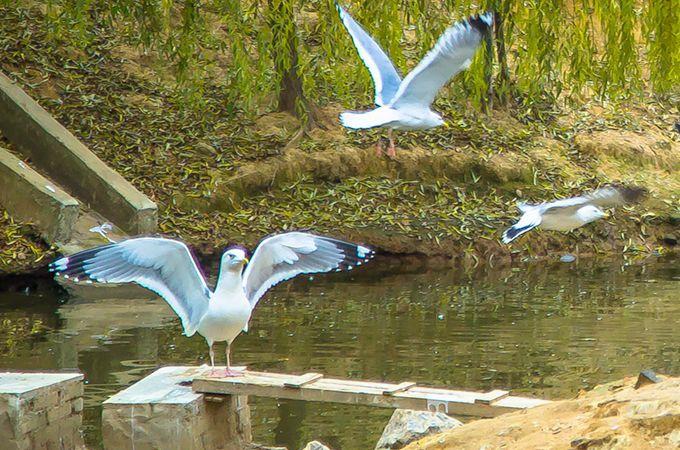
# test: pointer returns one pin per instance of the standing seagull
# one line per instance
(405, 105)
(166, 267)
(570, 213)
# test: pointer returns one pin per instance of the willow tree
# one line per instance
(545, 50)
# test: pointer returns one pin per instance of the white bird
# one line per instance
(167, 267)
(570, 213)
(405, 104)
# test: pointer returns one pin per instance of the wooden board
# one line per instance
(264, 384)
(298, 381)
(401, 387)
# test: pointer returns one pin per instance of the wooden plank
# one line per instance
(367, 393)
(299, 381)
(492, 396)
(401, 387)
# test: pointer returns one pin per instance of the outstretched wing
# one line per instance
(604, 197)
(164, 266)
(385, 77)
(451, 54)
(614, 195)
(284, 256)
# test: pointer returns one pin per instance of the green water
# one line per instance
(542, 329)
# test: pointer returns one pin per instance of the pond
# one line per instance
(537, 328)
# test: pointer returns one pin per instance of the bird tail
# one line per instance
(366, 119)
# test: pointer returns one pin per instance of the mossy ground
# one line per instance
(120, 102)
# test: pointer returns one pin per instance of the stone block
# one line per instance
(30, 197)
(32, 415)
(77, 405)
(161, 411)
(57, 153)
(58, 412)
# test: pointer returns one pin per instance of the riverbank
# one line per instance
(220, 176)
(612, 415)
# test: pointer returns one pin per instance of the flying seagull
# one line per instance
(166, 267)
(570, 213)
(405, 104)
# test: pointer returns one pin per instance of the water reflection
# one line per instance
(545, 330)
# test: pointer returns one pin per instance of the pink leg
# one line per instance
(391, 150)
(228, 372)
(378, 149)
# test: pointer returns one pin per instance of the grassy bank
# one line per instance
(220, 175)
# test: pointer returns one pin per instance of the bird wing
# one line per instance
(604, 197)
(284, 256)
(529, 220)
(614, 195)
(451, 54)
(385, 77)
(164, 266)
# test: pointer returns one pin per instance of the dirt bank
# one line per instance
(613, 415)
(220, 177)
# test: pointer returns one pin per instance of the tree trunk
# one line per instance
(286, 61)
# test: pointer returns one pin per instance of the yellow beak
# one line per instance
(446, 124)
(245, 261)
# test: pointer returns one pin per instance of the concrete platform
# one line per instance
(41, 410)
(162, 412)
(30, 197)
(56, 152)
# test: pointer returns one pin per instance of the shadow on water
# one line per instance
(542, 329)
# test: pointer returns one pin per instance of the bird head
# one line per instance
(589, 213)
(234, 257)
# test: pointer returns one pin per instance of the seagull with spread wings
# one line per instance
(166, 267)
(571, 213)
(406, 104)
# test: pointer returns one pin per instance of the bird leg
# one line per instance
(229, 372)
(391, 150)
(211, 351)
(378, 148)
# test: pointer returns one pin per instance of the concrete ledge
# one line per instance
(41, 410)
(161, 411)
(30, 197)
(54, 150)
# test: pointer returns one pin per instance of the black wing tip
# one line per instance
(355, 255)
(514, 232)
(482, 22)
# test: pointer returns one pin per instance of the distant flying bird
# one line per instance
(166, 267)
(405, 104)
(570, 213)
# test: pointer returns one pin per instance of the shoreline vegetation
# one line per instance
(225, 165)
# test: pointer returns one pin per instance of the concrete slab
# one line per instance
(41, 410)
(20, 383)
(30, 197)
(162, 412)
(57, 153)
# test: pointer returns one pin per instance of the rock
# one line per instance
(315, 445)
(406, 426)
(568, 258)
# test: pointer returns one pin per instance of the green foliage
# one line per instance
(546, 51)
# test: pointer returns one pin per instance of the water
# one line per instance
(541, 329)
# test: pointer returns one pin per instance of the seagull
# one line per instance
(103, 231)
(167, 267)
(571, 213)
(405, 104)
